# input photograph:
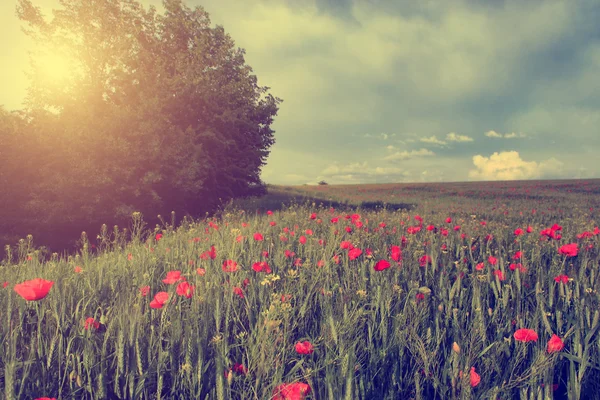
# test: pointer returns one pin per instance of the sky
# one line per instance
(378, 91)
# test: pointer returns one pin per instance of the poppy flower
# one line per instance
(185, 289)
(334, 220)
(78, 269)
(492, 260)
(381, 265)
(229, 266)
(158, 236)
(518, 232)
(448, 220)
(480, 266)
(173, 277)
(499, 274)
(258, 236)
(555, 344)
(518, 255)
(144, 290)
(396, 253)
(91, 323)
(302, 239)
(291, 391)
(201, 271)
(525, 335)
(320, 263)
(45, 398)
(346, 245)
(313, 216)
(262, 266)
(570, 250)
(239, 292)
(561, 278)
(424, 260)
(474, 377)
(160, 299)
(354, 253)
(33, 290)
(240, 369)
(304, 347)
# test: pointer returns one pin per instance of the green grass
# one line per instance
(376, 334)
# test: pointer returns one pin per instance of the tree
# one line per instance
(156, 113)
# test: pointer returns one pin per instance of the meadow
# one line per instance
(483, 290)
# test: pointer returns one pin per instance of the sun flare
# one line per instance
(54, 67)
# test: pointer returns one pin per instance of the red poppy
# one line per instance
(561, 278)
(238, 291)
(158, 236)
(144, 290)
(474, 377)
(320, 263)
(354, 253)
(173, 277)
(33, 290)
(555, 344)
(570, 250)
(45, 398)
(525, 335)
(309, 232)
(258, 237)
(291, 391)
(78, 269)
(302, 239)
(289, 253)
(492, 260)
(381, 265)
(201, 271)
(160, 299)
(334, 220)
(304, 347)
(529, 229)
(480, 266)
(518, 255)
(240, 369)
(424, 260)
(499, 274)
(448, 220)
(313, 216)
(185, 289)
(5, 284)
(518, 232)
(91, 323)
(229, 266)
(346, 245)
(419, 297)
(396, 253)
(261, 266)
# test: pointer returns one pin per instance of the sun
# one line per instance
(53, 68)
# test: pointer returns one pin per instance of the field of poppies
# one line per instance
(429, 291)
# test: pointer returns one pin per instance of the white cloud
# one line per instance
(405, 155)
(512, 135)
(453, 137)
(433, 140)
(493, 134)
(508, 165)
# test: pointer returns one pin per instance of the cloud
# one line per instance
(453, 137)
(433, 140)
(512, 135)
(508, 165)
(405, 155)
(382, 136)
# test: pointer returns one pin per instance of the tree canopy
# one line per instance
(152, 112)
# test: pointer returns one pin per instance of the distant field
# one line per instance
(412, 291)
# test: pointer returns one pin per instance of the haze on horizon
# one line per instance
(403, 91)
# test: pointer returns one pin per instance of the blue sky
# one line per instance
(408, 91)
